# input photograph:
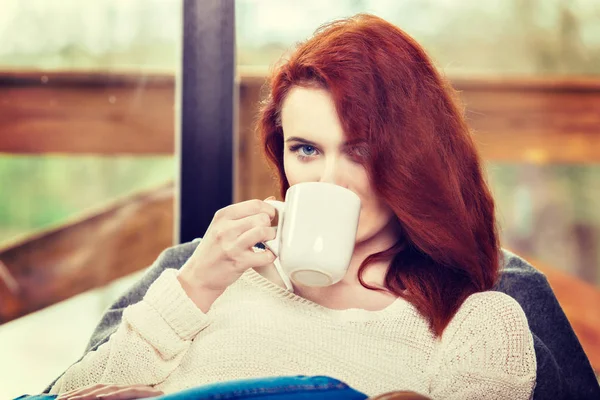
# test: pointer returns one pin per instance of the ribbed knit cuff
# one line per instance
(169, 299)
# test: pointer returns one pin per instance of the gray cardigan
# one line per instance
(563, 370)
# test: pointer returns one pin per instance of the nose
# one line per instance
(333, 172)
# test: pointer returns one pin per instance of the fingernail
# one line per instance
(270, 198)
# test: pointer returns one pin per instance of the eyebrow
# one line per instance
(311, 143)
(302, 140)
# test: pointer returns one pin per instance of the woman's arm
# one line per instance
(486, 352)
(148, 345)
(173, 257)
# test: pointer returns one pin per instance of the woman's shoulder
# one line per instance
(488, 314)
(490, 331)
(487, 301)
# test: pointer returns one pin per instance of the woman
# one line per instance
(359, 105)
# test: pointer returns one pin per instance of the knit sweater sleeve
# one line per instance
(148, 345)
(486, 352)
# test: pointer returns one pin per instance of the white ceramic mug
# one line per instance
(316, 232)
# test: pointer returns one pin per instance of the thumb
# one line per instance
(270, 198)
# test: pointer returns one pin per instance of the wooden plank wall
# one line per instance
(255, 179)
(534, 120)
(88, 252)
(86, 114)
(514, 120)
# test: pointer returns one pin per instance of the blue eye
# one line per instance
(304, 152)
(307, 150)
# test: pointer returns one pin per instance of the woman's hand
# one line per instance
(400, 395)
(111, 392)
(225, 251)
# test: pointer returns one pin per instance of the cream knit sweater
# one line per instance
(258, 329)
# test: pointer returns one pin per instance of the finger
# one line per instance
(92, 394)
(261, 259)
(106, 389)
(79, 391)
(132, 393)
(248, 239)
(240, 226)
(246, 209)
(228, 231)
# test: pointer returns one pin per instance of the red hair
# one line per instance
(421, 158)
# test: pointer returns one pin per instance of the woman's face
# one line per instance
(315, 150)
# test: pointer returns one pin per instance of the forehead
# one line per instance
(310, 113)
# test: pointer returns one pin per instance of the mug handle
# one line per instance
(273, 245)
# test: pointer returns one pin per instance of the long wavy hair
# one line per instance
(420, 157)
